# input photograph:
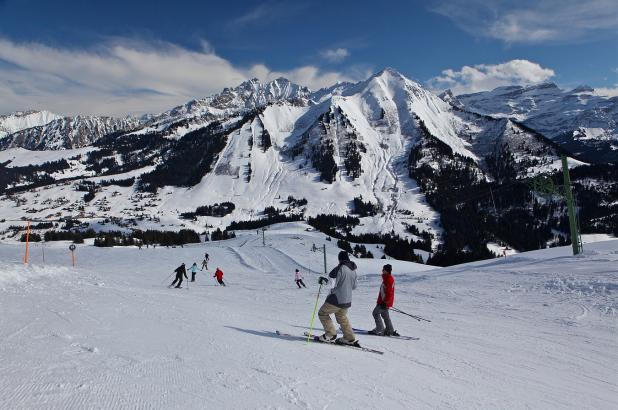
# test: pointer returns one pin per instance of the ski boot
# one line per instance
(326, 339)
(343, 341)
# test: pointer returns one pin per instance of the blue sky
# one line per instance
(117, 57)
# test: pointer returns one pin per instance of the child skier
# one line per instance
(339, 301)
(219, 276)
(299, 279)
(205, 261)
(180, 272)
(386, 297)
(193, 271)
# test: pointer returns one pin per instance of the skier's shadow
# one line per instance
(262, 333)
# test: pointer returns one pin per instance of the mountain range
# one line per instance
(402, 160)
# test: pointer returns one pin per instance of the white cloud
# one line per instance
(533, 21)
(265, 13)
(127, 77)
(483, 77)
(336, 55)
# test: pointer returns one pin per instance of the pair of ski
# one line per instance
(357, 347)
(317, 340)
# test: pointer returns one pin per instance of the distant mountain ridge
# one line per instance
(582, 122)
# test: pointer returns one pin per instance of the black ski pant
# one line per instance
(380, 313)
(300, 282)
(179, 280)
(193, 276)
(221, 282)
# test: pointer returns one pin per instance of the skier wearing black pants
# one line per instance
(205, 261)
(180, 272)
(299, 279)
(219, 276)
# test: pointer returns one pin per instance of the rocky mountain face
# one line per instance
(381, 161)
(582, 122)
(67, 133)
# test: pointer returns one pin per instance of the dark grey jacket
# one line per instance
(345, 281)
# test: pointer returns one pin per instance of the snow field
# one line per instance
(533, 330)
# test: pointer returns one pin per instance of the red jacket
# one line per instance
(387, 290)
(219, 274)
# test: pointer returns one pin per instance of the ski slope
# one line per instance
(533, 330)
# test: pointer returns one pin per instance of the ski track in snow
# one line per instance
(536, 330)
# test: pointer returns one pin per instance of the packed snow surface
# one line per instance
(533, 330)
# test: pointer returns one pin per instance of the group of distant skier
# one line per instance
(181, 272)
(338, 301)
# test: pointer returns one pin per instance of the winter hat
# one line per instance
(343, 256)
(296, 270)
(387, 268)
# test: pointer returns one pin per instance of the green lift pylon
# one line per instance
(571, 208)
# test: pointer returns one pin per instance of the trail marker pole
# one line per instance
(27, 241)
(72, 249)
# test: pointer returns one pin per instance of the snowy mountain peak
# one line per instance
(21, 120)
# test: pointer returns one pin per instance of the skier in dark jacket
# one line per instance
(205, 261)
(339, 301)
(386, 297)
(180, 272)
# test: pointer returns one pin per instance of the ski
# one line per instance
(364, 349)
(366, 332)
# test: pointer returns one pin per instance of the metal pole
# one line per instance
(324, 251)
(492, 200)
(27, 241)
(263, 237)
(570, 206)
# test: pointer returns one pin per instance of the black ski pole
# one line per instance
(168, 278)
(407, 314)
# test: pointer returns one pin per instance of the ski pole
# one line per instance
(168, 278)
(412, 316)
(313, 316)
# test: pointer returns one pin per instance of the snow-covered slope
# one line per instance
(579, 120)
(24, 119)
(67, 133)
(520, 332)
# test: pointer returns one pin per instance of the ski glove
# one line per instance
(322, 280)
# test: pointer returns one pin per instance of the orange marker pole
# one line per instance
(27, 241)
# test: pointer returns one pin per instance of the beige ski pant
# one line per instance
(341, 315)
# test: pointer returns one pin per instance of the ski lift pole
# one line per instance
(571, 208)
(324, 252)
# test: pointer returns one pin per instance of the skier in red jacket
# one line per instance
(386, 298)
(219, 276)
